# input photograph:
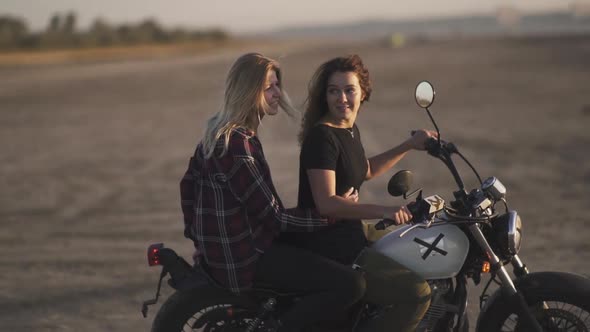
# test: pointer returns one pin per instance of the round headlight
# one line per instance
(508, 231)
(514, 233)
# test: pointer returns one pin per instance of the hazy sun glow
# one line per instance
(258, 15)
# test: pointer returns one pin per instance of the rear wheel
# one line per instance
(204, 311)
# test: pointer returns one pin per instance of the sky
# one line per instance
(248, 16)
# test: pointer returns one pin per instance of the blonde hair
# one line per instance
(243, 100)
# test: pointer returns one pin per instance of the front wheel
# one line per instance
(204, 309)
(559, 301)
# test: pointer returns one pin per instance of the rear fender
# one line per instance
(183, 276)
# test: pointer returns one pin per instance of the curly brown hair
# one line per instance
(316, 105)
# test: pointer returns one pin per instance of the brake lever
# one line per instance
(425, 224)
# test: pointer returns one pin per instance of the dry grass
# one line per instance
(115, 53)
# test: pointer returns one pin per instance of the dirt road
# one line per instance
(92, 155)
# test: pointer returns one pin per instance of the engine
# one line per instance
(441, 290)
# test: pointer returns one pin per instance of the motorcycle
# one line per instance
(446, 244)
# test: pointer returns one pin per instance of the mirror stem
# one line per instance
(434, 123)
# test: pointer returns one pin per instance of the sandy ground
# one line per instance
(92, 155)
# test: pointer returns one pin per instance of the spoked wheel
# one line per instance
(220, 318)
(554, 317)
(205, 310)
(558, 301)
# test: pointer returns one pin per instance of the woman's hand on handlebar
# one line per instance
(420, 137)
(400, 214)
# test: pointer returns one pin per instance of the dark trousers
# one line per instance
(333, 287)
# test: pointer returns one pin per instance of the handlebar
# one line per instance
(442, 150)
(432, 146)
(385, 223)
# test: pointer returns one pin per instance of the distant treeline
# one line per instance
(61, 32)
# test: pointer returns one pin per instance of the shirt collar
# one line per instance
(247, 133)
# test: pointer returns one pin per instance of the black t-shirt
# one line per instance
(340, 150)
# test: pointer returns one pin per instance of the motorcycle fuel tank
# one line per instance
(437, 252)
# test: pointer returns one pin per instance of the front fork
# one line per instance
(515, 296)
(520, 270)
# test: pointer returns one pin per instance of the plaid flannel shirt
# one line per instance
(232, 211)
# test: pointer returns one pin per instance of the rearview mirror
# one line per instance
(400, 183)
(425, 94)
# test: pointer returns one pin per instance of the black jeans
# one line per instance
(333, 287)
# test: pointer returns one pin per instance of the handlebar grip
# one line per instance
(433, 148)
(414, 209)
(383, 224)
(431, 145)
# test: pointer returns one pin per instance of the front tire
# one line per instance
(559, 301)
(213, 309)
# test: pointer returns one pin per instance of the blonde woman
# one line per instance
(233, 213)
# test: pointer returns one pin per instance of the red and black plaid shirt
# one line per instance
(232, 211)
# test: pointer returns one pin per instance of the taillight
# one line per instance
(153, 253)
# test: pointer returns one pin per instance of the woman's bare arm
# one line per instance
(323, 189)
(381, 163)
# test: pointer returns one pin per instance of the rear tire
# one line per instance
(219, 311)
